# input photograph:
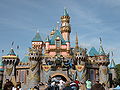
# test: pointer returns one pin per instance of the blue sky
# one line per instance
(91, 19)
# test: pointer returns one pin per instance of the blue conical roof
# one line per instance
(101, 51)
(57, 34)
(112, 64)
(37, 37)
(25, 59)
(93, 52)
(65, 13)
(11, 52)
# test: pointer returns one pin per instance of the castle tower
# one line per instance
(93, 70)
(34, 76)
(37, 42)
(65, 26)
(80, 53)
(103, 62)
(47, 43)
(10, 61)
(112, 73)
(35, 60)
(112, 68)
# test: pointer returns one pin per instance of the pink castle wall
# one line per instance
(52, 54)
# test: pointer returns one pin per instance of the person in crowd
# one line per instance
(97, 86)
(8, 85)
(56, 87)
(82, 86)
(77, 84)
(88, 84)
(61, 84)
(67, 86)
(73, 86)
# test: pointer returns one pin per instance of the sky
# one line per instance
(91, 19)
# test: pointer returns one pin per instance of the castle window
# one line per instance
(22, 73)
(58, 42)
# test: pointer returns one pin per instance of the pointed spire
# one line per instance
(57, 26)
(47, 39)
(11, 52)
(53, 28)
(112, 64)
(37, 37)
(77, 46)
(65, 12)
(101, 50)
(100, 41)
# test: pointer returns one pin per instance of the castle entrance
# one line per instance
(59, 77)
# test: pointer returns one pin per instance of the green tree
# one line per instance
(117, 69)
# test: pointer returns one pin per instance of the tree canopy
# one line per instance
(117, 69)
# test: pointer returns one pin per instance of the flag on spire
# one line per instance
(12, 43)
(17, 46)
(100, 40)
(2, 51)
(112, 53)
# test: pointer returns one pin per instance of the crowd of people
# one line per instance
(55, 84)
(75, 85)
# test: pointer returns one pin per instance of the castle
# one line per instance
(55, 57)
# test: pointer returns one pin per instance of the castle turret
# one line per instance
(37, 42)
(103, 61)
(65, 26)
(52, 33)
(10, 61)
(47, 43)
(79, 52)
(112, 72)
(112, 69)
(35, 60)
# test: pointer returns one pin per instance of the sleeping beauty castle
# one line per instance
(55, 58)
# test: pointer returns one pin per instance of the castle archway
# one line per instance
(60, 76)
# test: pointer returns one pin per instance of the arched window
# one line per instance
(58, 42)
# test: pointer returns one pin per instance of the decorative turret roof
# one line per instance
(11, 52)
(93, 52)
(112, 64)
(65, 13)
(25, 59)
(37, 37)
(47, 39)
(101, 50)
(57, 34)
(53, 31)
(1, 65)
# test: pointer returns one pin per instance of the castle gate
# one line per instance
(62, 74)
